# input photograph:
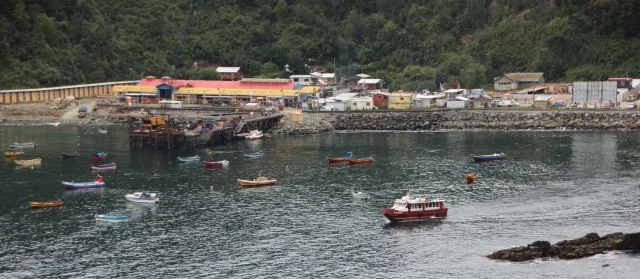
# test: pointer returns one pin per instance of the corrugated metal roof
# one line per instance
(243, 84)
(369, 81)
(228, 70)
(345, 96)
(328, 75)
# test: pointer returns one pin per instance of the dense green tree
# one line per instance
(411, 44)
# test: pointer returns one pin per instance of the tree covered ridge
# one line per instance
(410, 44)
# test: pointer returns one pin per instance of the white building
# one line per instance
(459, 103)
(361, 103)
(301, 79)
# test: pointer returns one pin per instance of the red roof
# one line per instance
(177, 83)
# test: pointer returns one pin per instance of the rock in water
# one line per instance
(586, 246)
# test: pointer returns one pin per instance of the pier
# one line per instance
(164, 131)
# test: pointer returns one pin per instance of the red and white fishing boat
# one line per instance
(410, 208)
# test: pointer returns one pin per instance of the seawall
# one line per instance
(447, 120)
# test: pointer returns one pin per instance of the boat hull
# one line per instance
(45, 204)
(360, 161)
(133, 199)
(189, 159)
(217, 164)
(13, 153)
(254, 183)
(338, 160)
(70, 155)
(419, 215)
(68, 185)
(29, 163)
(479, 159)
(111, 166)
(112, 218)
(22, 145)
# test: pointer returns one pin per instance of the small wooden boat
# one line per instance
(13, 153)
(22, 145)
(107, 166)
(487, 158)
(45, 204)
(471, 178)
(215, 164)
(142, 197)
(29, 163)
(189, 159)
(70, 155)
(344, 159)
(112, 218)
(257, 154)
(258, 181)
(360, 161)
(97, 182)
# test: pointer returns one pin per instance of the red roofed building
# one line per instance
(205, 91)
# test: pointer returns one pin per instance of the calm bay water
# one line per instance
(553, 186)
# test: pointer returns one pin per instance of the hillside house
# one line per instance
(370, 83)
(230, 73)
(515, 81)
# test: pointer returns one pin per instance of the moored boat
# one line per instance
(70, 155)
(29, 163)
(97, 182)
(102, 131)
(13, 153)
(22, 145)
(409, 208)
(100, 157)
(142, 197)
(336, 160)
(257, 154)
(45, 204)
(54, 124)
(215, 164)
(360, 161)
(471, 178)
(258, 181)
(189, 159)
(107, 166)
(489, 157)
(254, 135)
(112, 218)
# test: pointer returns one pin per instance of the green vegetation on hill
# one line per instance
(410, 44)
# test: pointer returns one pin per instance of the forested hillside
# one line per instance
(411, 44)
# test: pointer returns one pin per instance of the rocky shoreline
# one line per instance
(586, 246)
(465, 120)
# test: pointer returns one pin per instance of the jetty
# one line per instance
(180, 129)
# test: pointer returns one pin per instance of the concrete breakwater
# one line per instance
(490, 120)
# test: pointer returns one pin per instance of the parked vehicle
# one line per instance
(508, 103)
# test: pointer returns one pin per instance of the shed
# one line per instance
(370, 83)
(459, 103)
(483, 101)
(362, 103)
(230, 73)
(400, 100)
(541, 102)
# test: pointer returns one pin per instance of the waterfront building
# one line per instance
(217, 91)
(400, 100)
(515, 81)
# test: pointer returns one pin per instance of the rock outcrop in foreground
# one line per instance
(586, 246)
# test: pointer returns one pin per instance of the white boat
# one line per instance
(54, 124)
(112, 218)
(142, 197)
(254, 135)
(189, 159)
(102, 131)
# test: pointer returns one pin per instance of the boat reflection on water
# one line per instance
(424, 224)
(87, 191)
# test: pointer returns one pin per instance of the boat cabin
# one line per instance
(408, 204)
